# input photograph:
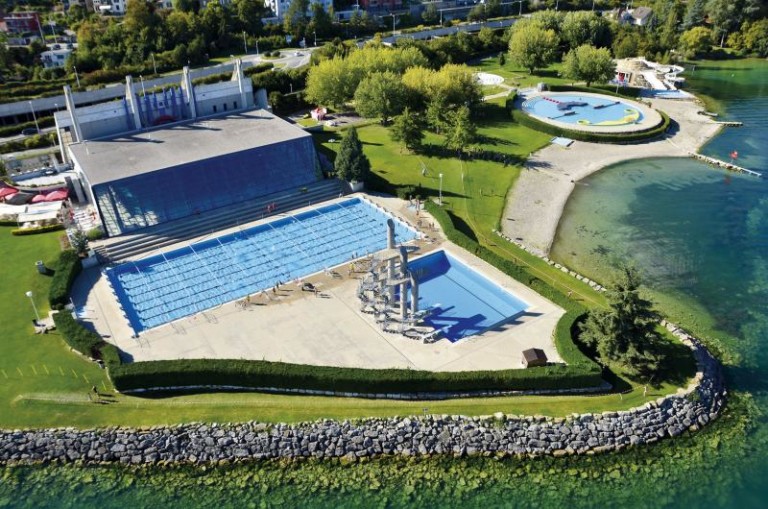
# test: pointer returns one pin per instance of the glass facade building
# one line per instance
(167, 194)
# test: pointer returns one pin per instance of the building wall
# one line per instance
(21, 22)
(173, 193)
(280, 7)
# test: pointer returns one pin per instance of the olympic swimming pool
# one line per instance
(162, 288)
(462, 302)
(586, 110)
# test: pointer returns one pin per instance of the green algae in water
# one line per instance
(623, 480)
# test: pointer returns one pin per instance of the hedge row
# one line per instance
(256, 374)
(67, 269)
(84, 340)
(39, 229)
(633, 92)
(15, 129)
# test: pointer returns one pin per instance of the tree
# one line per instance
(461, 131)
(184, 5)
(625, 333)
(329, 83)
(585, 28)
(696, 41)
(382, 94)
(295, 19)
(533, 48)
(407, 130)
(248, 14)
(430, 14)
(351, 163)
(590, 64)
(694, 14)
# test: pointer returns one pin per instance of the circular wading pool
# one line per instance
(590, 112)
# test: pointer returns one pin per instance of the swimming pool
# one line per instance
(165, 287)
(462, 302)
(583, 109)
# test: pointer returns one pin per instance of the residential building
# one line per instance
(110, 6)
(381, 5)
(22, 22)
(280, 7)
(55, 57)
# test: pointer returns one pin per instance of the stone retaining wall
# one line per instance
(500, 434)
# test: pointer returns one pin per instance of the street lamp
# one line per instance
(34, 117)
(29, 294)
(440, 198)
(245, 43)
(154, 64)
(315, 33)
(257, 47)
(143, 92)
(76, 76)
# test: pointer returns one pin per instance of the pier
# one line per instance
(729, 123)
(723, 164)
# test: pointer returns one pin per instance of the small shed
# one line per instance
(534, 357)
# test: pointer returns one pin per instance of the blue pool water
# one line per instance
(165, 287)
(463, 301)
(583, 110)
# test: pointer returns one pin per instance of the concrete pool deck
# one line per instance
(328, 329)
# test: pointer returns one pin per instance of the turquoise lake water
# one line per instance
(699, 235)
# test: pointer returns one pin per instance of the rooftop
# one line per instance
(139, 152)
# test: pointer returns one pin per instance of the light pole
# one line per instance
(76, 76)
(440, 195)
(245, 43)
(557, 4)
(143, 92)
(154, 64)
(593, 5)
(34, 117)
(314, 32)
(30, 294)
(257, 47)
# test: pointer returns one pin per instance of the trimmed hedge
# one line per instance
(256, 374)
(40, 229)
(646, 134)
(84, 340)
(632, 92)
(67, 269)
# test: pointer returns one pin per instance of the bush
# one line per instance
(38, 229)
(94, 234)
(67, 269)
(83, 340)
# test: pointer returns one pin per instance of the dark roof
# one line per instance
(641, 12)
(534, 354)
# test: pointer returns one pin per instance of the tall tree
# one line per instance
(590, 64)
(351, 163)
(247, 15)
(625, 333)
(295, 20)
(407, 130)
(382, 94)
(696, 41)
(461, 131)
(533, 48)
(430, 14)
(694, 14)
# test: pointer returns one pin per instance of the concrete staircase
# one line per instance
(126, 246)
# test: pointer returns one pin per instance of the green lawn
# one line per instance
(517, 77)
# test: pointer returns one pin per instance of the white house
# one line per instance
(640, 16)
(109, 6)
(280, 7)
(55, 57)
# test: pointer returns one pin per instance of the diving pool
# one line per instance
(583, 109)
(462, 301)
(168, 286)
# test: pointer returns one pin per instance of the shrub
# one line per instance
(94, 234)
(38, 229)
(67, 269)
(76, 336)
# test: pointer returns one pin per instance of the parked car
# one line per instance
(29, 131)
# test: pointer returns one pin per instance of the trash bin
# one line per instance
(41, 268)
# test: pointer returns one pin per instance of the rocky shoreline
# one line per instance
(497, 435)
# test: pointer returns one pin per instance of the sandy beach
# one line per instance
(536, 202)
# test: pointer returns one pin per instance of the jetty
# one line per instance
(729, 123)
(723, 164)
